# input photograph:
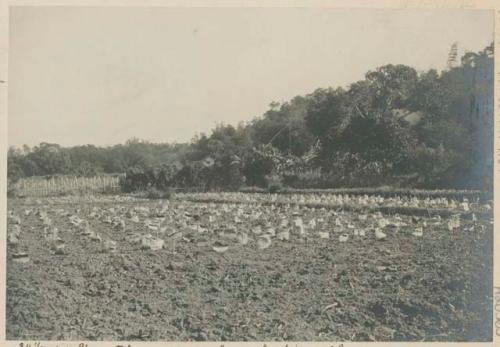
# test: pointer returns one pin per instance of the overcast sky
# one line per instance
(104, 75)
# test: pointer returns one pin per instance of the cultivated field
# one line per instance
(233, 266)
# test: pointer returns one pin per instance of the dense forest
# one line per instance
(396, 127)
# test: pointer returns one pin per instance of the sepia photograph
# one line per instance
(249, 173)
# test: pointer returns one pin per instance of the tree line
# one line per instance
(396, 127)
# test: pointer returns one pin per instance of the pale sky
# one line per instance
(90, 75)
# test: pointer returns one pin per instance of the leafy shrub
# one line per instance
(141, 179)
(275, 188)
(259, 164)
(274, 184)
(154, 193)
(312, 178)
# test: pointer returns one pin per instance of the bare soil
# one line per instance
(404, 288)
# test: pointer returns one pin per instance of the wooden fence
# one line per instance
(65, 185)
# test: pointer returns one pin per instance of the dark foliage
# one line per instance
(395, 127)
